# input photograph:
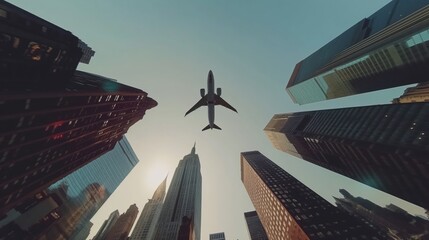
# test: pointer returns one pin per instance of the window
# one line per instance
(3, 13)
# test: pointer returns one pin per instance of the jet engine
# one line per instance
(219, 91)
(202, 92)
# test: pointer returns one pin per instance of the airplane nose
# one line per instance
(210, 74)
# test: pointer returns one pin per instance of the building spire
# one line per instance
(193, 148)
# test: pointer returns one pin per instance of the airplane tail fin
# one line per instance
(214, 126)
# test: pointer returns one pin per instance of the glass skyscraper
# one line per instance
(382, 146)
(182, 206)
(66, 207)
(389, 48)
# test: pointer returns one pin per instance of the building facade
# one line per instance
(217, 236)
(122, 227)
(254, 226)
(33, 49)
(49, 131)
(66, 207)
(418, 93)
(106, 226)
(394, 221)
(146, 225)
(290, 210)
(382, 146)
(387, 49)
(182, 205)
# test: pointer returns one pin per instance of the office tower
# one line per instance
(84, 233)
(35, 50)
(395, 221)
(106, 226)
(290, 210)
(145, 226)
(123, 225)
(49, 131)
(217, 236)
(387, 49)
(382, 146)
(418, 93)
(87, 52)
(182, 205)
(62, 210)
(254, 225)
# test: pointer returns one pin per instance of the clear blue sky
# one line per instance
(167, 48)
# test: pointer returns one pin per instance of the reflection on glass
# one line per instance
(344, 80)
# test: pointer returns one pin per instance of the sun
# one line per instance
(154, 175)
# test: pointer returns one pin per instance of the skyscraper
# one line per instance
(418, 93)
(53, 118)
(254, 225)
(290, 210)
(396, 222)
(217, 236)
(106, 226)
(122, 227)
(146, 225)
(35, 50)
(183, 201)
(48, 131)
(382, 146)
(66, 207)
(389, 48)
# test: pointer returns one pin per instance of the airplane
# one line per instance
(210, 100)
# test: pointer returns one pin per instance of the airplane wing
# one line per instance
(201, 102)
(220, 101)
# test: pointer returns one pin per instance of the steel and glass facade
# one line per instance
(74, 200)
(290, 210)
(388, 49)
(382, 146)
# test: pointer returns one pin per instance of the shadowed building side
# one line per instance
(254, 226)
(382, 146)
(47, 132)
(106, 226)
(66, 207)
(122, 227)
(290, 210)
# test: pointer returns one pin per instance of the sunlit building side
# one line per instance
(418, 93)
(290, 210)
(382, 146)
(146, 225)
(180, 216)
(387, 49)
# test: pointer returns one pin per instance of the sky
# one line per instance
(166, 48)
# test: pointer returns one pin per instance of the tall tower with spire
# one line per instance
(145, 227)
(182, 205)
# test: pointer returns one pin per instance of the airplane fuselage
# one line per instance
(210, 98)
